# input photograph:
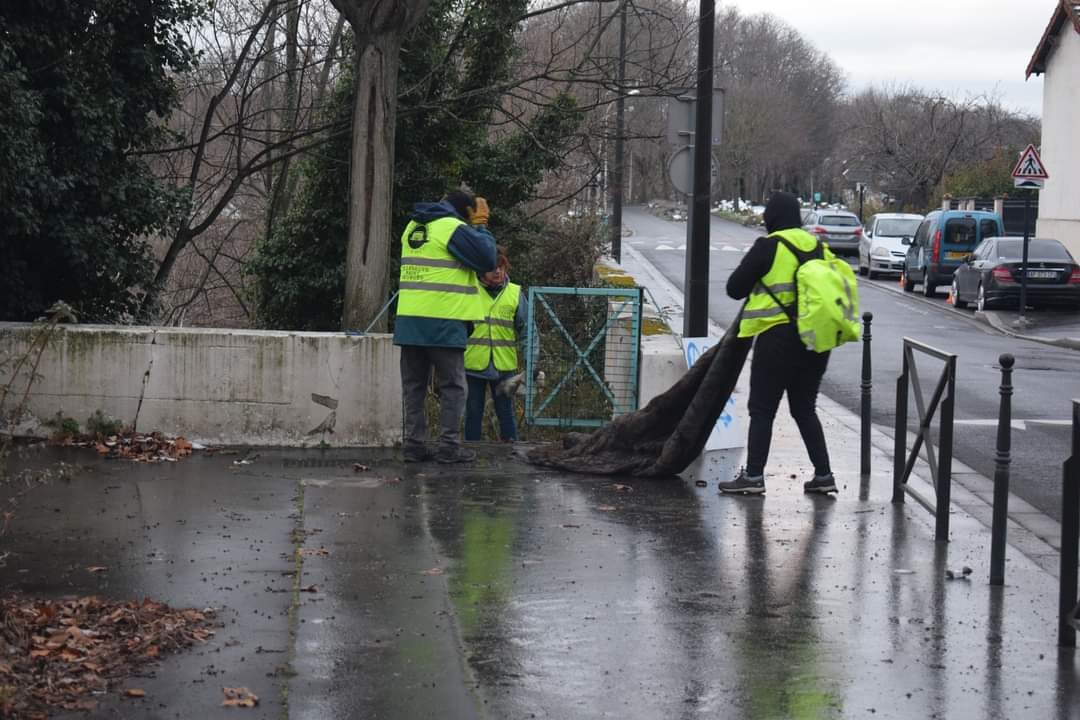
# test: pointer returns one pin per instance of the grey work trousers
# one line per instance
(416, 365)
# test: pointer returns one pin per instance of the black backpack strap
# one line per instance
(802, 256)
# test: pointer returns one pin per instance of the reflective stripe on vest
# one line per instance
(761, 311)
(433, 283)
(495, 338)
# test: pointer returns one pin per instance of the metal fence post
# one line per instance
(945, 442)
(900, 436)
(1001, 473)
(1070, 537)
(867, 385)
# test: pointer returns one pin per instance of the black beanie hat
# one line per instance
(782, 212)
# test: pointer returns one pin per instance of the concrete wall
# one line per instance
(221, 386)
(662, 364)
(1059, 208)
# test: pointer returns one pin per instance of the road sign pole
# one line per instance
(696, 319)
(1024, 258)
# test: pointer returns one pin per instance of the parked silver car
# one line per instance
(839, 229)
(883, 246)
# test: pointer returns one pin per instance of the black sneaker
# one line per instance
(416, 453)
(743, 484)
(820, 484)
(454, 454)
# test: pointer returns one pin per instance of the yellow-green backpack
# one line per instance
(826, 299)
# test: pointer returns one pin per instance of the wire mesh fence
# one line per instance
(582, 355)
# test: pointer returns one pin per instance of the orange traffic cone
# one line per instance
(949, 299)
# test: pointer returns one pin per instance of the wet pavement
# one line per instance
(499, 590)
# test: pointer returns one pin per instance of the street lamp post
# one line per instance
(620, 121)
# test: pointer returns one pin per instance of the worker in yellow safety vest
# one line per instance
(781, 362)
(444, 248)
(491, 357)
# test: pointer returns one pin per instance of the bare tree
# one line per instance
(252, 104)
(909, 140)
(379, 28)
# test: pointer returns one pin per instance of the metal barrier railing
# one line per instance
(1068, 608)
(941, 464)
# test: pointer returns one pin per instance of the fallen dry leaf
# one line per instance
(357, 467)
(97, 568)
(239, 697)
(310, 589)
(78, 647)
(434, 571)
(622, 488)
(309, 552)
(606, 508)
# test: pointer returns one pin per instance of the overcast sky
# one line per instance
(959, 47)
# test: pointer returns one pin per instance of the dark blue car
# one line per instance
(942, 242)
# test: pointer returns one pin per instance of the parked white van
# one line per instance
(884, 244)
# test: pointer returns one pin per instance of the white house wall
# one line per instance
(1059, 201)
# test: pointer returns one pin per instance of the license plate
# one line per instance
(1042, 274)
(955, 255)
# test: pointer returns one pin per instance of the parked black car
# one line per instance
(991, 275)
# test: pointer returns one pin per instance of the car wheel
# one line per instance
(906, 282)
(929, 289)
(980, 299)
(956, 301)
(864, 271)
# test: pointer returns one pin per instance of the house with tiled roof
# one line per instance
(1057, 59)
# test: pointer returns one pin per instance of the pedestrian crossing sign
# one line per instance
(1029, 171)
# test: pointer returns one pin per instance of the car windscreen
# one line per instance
(960, 231)
(839, 220)
(896, 228)
(1012, 249)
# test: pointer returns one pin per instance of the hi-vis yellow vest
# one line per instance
(761, 311)
(494, 336)
(433, 283)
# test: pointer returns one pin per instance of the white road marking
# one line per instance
(681, 247)
(664, 246)
(1015, 424)
(729, 248)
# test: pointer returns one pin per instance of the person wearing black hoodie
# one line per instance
(781, 362)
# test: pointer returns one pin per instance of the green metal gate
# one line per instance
(583, 355)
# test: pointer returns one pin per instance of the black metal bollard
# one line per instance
(1002, 459)
(1070, 538)
(867, 385)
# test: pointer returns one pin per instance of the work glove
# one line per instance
(479, 215)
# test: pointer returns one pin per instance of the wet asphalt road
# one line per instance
(504, 591)
(1045, 378)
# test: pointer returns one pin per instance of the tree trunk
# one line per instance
(371, 181)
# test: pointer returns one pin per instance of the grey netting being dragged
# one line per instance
(665, 436)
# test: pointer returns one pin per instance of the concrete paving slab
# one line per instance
(500, 590)
(192, 534)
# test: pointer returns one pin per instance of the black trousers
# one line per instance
(781, 363)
